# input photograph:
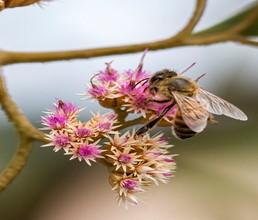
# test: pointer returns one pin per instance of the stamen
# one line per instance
(140, 66)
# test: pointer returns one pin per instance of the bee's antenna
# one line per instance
(189, 67)
(146, 79)
(92, 78)
(199, 77)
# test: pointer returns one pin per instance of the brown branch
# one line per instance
(17, 163)
(27, 133)
(193, 21)
(133, 122)
(7, 57)
(181, 39)
(245, 41)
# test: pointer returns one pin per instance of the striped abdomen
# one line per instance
(180, 129)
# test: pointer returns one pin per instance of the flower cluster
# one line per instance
(128, 90)
(78, 139)
(138, 162)
(135, 162)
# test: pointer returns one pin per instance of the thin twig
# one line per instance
(17, 163)
(132, 122)
(245, 41)
(193, 21)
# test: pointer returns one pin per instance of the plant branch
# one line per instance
(246, 41)
(17, 163)
(183, 38)
(27, 133)
(193, 21)
(132, 122)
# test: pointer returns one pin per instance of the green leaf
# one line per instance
(232, 21)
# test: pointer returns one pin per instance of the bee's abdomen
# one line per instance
(180, 129)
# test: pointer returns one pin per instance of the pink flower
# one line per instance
(55, 121)
(77, 138)
(66, 108)
(61, 140)
(97, 91)
(126, 187)
(87, 152)
(83, 132)
(137, 102)
(130, 184)
(138, 162)
(105, 126)
(125, 158)
(109, 74)
(138, 74)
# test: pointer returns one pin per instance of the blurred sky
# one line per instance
(77, 24)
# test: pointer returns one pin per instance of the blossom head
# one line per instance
(125, 158)
(76, 138)
(66, 108)
(130, 184)
(55, 121)
(83, 132)
(61, 140)
(109, 74)
(98, 92)
(128, 90)
(87, 152)
(104, 124)
(126, 186)
(138, 162)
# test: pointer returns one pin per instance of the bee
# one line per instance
(195, 106)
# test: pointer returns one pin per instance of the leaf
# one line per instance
(252, 30)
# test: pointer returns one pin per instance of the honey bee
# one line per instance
(195, 105)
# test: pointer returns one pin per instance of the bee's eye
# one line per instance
(156, 79)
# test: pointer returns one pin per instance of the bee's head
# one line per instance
(159, 78)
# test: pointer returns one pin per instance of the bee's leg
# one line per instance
(159, 101)
(153, 122)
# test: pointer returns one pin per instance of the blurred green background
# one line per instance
(216, 176)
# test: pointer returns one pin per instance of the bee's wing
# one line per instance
(219, 106)
(194, 114)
